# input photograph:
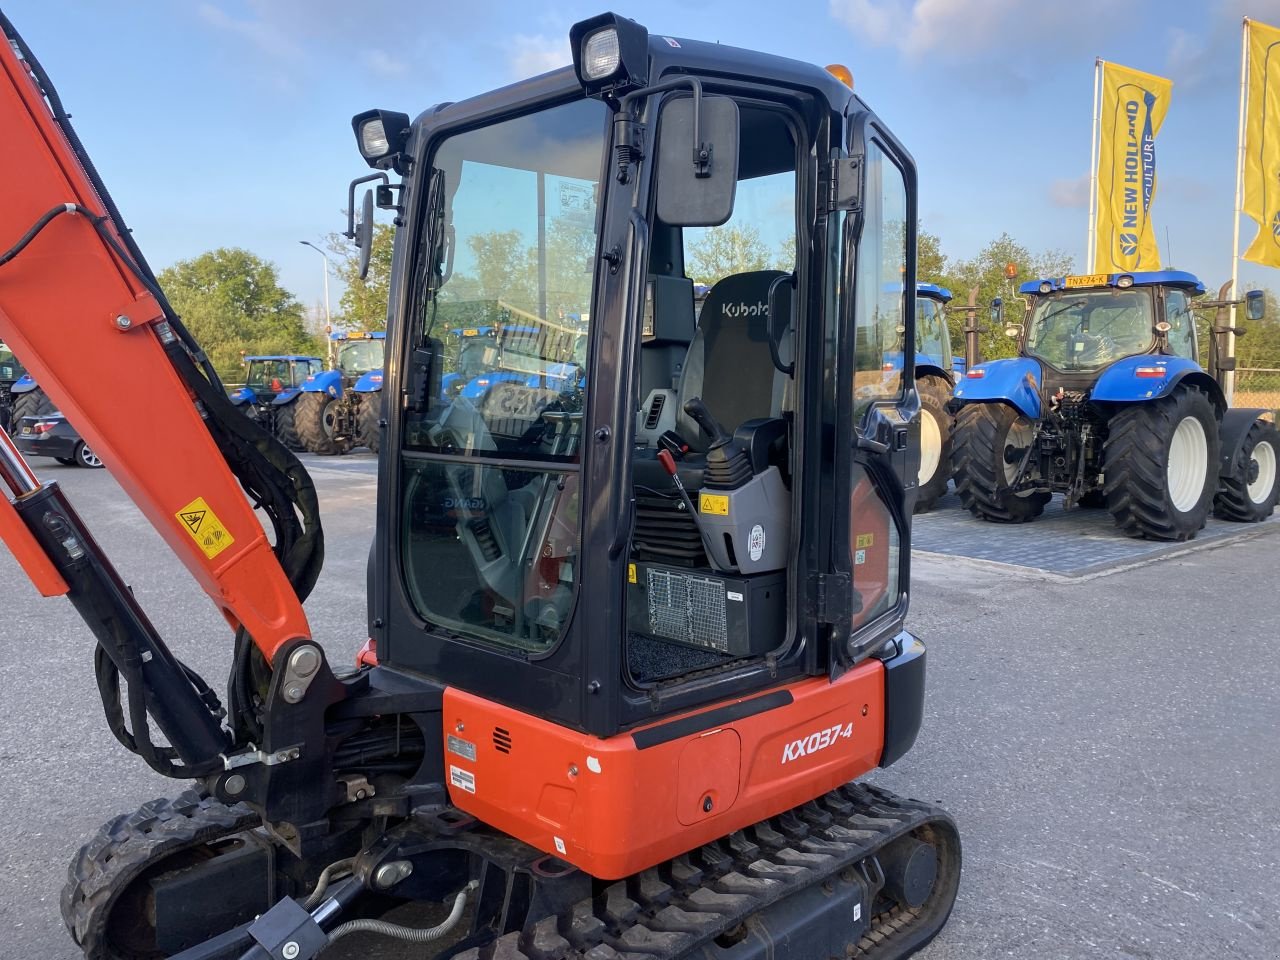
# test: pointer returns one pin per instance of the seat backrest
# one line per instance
(729, 364)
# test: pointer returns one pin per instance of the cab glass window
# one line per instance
(1182, 324)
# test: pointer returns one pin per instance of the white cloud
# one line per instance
(534, 54)
(383, 63)
(269, 38)
(1070, 193)
(969, 30)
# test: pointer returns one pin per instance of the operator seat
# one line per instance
(729, 364)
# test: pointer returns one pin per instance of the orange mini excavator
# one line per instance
(637, 588)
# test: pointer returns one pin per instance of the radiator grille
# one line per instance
(688, 608)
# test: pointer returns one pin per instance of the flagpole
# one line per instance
(1230, 386)
(1091, 245)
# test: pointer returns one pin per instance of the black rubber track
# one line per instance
(286, 427)
(977, 454)
(1136, 465)
(128, 845)
(309, 412)
(934, 394)
(33, 403)
(1233, 501)
(367, 416)
(679, 908)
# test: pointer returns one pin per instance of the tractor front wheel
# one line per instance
(935, 442)
(1161, 462)
(1250, 494)
(988, 444)
(316, 416)
(367, 416)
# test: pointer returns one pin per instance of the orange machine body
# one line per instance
(71, 310)
(617, 805)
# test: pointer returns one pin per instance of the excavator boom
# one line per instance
(73, 303)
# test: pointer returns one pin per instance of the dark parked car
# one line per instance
(50, 435)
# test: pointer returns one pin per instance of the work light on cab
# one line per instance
(381, 136)
(610, 53)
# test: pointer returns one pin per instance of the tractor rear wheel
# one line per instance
(33, 403)
(286, 426)
(316, 417)
(367, 416)
(1161, 461)
(988, 442)
(1250, 494)
(935, 442)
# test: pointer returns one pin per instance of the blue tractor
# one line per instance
(271, 390)
(516, 354)
(19, 395)
(340, 408)
(1107, 404)
(935, 377)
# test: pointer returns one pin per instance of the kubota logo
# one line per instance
(758, 309)
(819, 740)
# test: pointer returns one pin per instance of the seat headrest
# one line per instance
(744, 296)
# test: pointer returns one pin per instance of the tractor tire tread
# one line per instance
(1233, 501)
(934, 394)
(309, 417)
(977, 452)
(368, 421)
(33, 403)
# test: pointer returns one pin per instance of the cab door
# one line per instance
(878, 426)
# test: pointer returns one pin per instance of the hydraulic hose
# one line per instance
(408, 934)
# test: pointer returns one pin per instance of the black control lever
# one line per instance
(697, 410)
(673, 443)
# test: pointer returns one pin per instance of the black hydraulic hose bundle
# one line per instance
(270, 474)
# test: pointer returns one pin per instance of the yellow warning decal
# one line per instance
(716, 503)
(866, 540)
(631, 573)
(205, 527)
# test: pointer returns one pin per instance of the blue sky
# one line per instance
(227, 122)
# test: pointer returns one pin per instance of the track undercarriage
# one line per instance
(856, 873)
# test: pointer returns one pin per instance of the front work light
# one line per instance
(381, 136)
(1125, 282)
(600, 54)
(1046, 286)
(610, 54)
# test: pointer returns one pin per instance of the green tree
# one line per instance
(723, 251)
(364, 302)
(931, 264)
(232, 301)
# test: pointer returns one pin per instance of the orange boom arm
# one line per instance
(71, 306)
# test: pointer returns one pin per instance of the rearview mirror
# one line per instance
(364, 232)
(997, 311)
(697, 177)
(1255, 305)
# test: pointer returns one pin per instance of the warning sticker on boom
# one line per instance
(205, 527)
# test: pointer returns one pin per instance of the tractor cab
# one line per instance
(269, 377)
(358, 353)
(11, 368)
(933, 337)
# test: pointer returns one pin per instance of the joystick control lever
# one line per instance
(698, 412)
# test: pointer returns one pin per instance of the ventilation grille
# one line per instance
(655, 411)
(489, 548)
(688, 608)
(501, 740)
(664, 531)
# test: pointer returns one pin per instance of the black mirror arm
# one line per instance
(788, 368)
(351, 200)
(628, 150)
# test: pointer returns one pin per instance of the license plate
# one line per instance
(1092, 280)
(25, 431)
(472, 332)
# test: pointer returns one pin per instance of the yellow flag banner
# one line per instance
(1262, 144)
(1133, 108)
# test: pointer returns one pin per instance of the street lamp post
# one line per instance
(328, 318)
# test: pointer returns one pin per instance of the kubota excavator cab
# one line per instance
(636, 626)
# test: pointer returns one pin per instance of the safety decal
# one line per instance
(714, 503)
(205, 527)
(865, 540)
(631, 573)
(462, 779)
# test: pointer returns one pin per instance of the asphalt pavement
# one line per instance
(1109, 745)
